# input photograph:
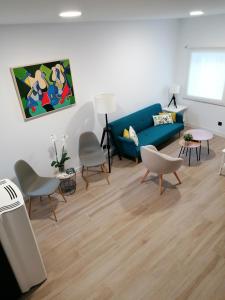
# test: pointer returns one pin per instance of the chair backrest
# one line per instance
(158, 162)
(88, 143)
(25, 174)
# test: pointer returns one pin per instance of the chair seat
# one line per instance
(93, 159)
(42, 186)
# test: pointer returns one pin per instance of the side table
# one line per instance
(188, 148)
(179, 109)
(200, 135)
(67, 183)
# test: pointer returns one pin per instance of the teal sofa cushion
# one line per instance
(156, 135)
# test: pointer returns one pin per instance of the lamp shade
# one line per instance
(174, 89)
(105, 103)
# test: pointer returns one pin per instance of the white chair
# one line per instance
(159, 163)
(222, 162)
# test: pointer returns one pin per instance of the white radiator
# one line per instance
(18, 239)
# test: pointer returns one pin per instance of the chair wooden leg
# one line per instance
(61, 193)
(87, 184)
(53, 211)
(136, 160)
(178, 179)
(144, 177)
(29, 211)
(105, 173)
(85, 179)
(161, 183)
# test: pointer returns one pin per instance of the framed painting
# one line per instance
(44, 88)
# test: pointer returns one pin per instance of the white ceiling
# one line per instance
(46, 11)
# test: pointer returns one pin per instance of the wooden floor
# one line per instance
(124, 241)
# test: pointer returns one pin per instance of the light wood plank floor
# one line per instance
(124, 241)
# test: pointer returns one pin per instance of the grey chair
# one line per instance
(32, 185)
(91, 155)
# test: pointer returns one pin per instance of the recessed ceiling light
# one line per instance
(196, 13)
(70, 14)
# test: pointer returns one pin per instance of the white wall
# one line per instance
(200, 32)
(134, 60)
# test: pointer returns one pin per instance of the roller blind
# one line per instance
(206, 78)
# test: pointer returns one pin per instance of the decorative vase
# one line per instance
(186, 143)
(61, 169)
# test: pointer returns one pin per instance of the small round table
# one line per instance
(188, 146)
(67, 184)
(200, 135)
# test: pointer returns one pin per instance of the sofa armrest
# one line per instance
(128, 147)
(125, 140)
(179, 118)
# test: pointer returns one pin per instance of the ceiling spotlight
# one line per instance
(70, 14)
(196, 13)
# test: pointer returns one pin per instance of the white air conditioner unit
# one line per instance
(17, 238)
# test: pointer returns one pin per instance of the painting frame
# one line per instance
(43, 88)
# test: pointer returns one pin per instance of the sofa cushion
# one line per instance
(173, 114)
(126, 133)
(162, 119)
(133, 135)
(158, 134)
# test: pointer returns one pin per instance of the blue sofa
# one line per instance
(147, 133)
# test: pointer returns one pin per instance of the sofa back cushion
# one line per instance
(139, 120)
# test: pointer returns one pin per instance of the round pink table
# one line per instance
(200, 135)
(188, 146)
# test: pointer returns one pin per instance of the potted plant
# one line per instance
(188, 138)
(60, 159)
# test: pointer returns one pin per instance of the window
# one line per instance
(206, 78)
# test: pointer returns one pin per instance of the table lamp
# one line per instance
(174, 90)
(105, 104)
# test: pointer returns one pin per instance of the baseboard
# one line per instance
(209, 129)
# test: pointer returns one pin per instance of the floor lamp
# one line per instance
(174, 90)
(105, 104)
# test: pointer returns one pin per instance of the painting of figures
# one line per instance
(44, 88)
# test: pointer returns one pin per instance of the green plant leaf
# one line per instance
(67, 158)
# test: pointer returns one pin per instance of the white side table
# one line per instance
(67, 184)
(179, 109)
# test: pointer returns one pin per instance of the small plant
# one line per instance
(59, 161)
(188, 137)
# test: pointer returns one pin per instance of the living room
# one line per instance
(125, 239)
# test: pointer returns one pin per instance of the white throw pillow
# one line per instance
(133, 135)
(162, 119)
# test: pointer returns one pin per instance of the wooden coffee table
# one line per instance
(201, 135)
(188, 147)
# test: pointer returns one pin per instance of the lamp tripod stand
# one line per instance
(107, 132)
(173, 99)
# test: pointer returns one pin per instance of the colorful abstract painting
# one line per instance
(44, 88)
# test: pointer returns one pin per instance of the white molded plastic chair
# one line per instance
(159, 163)
(222, 162)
